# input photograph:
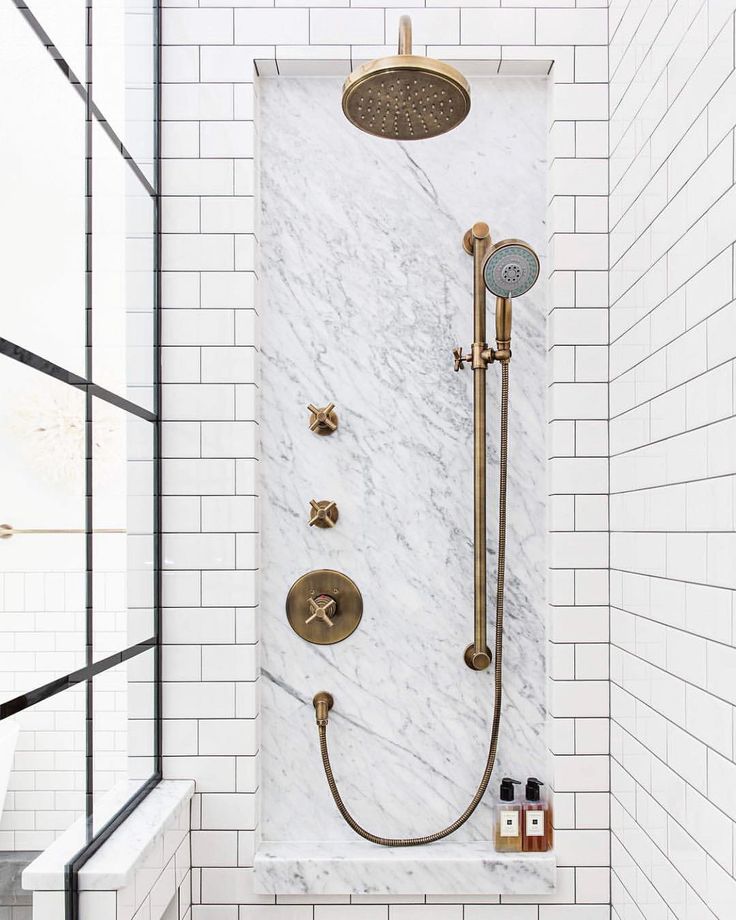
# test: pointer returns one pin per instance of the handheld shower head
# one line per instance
(510, 269)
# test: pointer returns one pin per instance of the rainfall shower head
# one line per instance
(511, 268)
(405, 97)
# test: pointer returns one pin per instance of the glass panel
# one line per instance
(123, 545)
(122, 278)
(47, 782)
(42, 538)
(123, 62)
(123, 731)
(42, 189)
(66, 25)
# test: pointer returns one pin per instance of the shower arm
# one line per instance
(405, 35)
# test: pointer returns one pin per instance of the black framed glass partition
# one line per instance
(80, 554)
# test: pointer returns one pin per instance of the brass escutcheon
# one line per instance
(324, 607)
(323, 513)
(324, 420)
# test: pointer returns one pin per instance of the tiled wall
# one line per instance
(673, 459)
(210, 442)
(41, 637)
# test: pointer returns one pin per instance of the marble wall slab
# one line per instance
(364, 290)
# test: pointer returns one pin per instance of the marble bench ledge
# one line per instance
(146, 839)
(359, 867)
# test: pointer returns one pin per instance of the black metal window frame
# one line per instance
(15, 351)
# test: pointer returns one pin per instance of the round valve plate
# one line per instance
(319, 586)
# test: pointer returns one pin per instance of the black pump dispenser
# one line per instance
(532, 791)
(507, 789)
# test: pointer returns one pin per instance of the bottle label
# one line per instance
(534, 823)
(508, 823)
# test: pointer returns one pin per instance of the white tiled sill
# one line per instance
(135, 873)
(360, 867)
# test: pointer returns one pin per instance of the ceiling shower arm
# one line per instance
(405, 35)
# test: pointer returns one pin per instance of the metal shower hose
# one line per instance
(497, 670)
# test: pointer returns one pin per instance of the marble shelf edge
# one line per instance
(313, 867)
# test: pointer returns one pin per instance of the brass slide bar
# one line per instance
(477, 655)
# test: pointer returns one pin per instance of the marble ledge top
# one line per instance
(162, 817)
(360, 867)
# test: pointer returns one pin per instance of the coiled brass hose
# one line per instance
(322, 705)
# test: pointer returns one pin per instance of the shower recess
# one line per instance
(506, 269)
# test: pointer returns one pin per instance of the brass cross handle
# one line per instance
(323, 513)
(323, 421)
(460, 358)
(320, 608)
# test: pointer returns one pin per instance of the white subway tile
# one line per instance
(571, 27)
(591, 138)
(228, 365)
(191, 102)
(591, 64)
(197, 177)
(271, 26)
(197, 327)
(189, 402)
(426, 911)
(226, 139)
(339, 27)
(588, 698)
(580, 101)
(231, 64)
(578, 400)
(229, 662)
(197, 700)
(180, 365)
(429, 26)
(180, 64)
(710, 720)
(580, 250)
(221, 589)
(197, 27)
(497, 26)
(229, 439)
(191, 624)
(227, 737)
(199, 477)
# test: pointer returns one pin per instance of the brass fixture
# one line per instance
(324, 607)
(477, 655)
(323, 421)
(321, 608)
(513, 263)
(7, 530)
(406, 96)
(323, 703)
(323, 514)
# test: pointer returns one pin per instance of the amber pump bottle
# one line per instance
(536, 819)
(507, 821)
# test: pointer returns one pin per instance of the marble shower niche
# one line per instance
(364, 290)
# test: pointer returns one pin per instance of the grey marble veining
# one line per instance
(364, 290)
(361, 868)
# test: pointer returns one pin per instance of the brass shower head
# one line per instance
(405, 97)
